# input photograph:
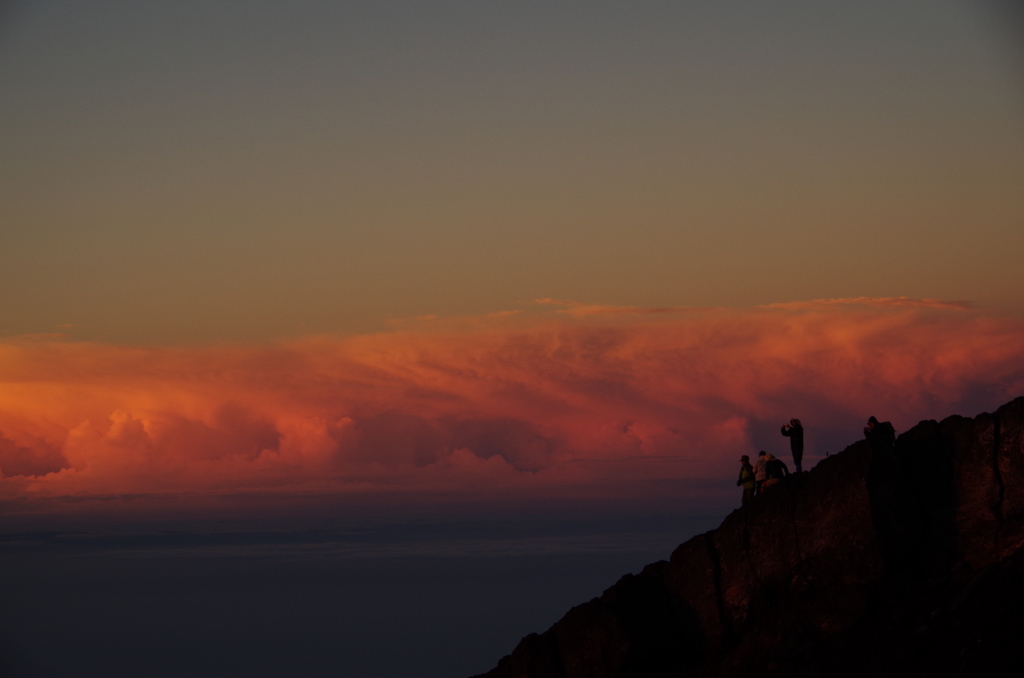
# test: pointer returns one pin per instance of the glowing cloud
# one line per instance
(505, 402)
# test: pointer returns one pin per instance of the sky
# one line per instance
(453, 248)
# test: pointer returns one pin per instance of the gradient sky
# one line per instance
(242, 171)
(340, 247)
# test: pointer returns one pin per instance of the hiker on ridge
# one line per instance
(759, 476)
(775, 470)
(746, 479)
(881, 435)
(795, 432)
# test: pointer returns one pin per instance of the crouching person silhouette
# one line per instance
(775, 470)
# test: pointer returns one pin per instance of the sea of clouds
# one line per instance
(560, 400)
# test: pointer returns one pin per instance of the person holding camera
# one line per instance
(794, 430)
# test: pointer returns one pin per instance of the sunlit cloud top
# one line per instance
(521, 403)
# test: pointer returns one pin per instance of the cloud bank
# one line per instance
(505, 403)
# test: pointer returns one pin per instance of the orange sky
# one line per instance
(561, 396)
(604, 220)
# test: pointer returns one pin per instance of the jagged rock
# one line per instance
(901, 560)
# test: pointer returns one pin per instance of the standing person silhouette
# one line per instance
(746, 479)
(794, 430)
(759, 475)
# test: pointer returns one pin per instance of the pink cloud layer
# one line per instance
(503, 403)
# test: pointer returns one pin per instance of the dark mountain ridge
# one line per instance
(884, 559)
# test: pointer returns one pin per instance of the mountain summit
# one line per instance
(884, 559)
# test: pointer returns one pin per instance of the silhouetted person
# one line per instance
(746, 479)
(795, 432)
(881, 435)
(775, 470)
(759, 476)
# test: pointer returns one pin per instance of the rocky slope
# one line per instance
(901, 560)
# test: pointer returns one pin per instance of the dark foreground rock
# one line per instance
(901, 561)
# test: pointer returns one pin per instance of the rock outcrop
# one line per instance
(882, 560)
